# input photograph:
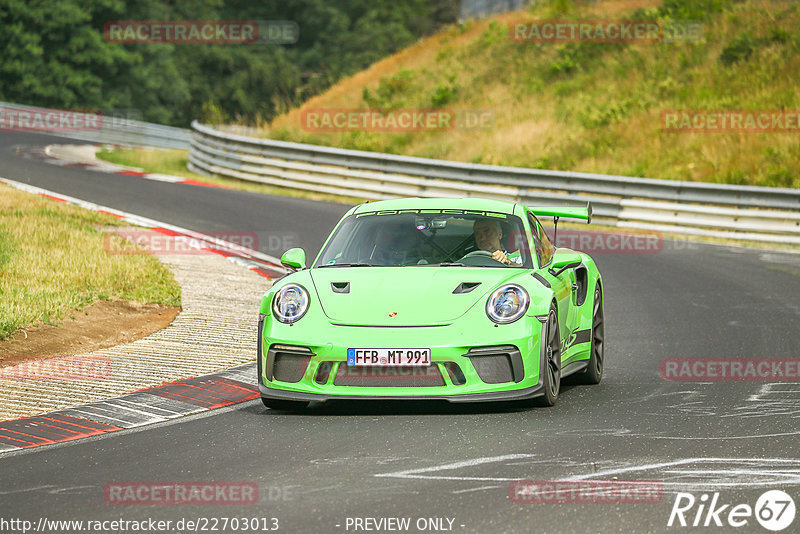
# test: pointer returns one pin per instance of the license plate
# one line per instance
(381, 357)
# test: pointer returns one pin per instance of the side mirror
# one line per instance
(564, 261)
(294, 259)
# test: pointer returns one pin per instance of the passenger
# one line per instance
(396, 245)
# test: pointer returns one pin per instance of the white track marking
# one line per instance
(774, 476)
(163, 178)
(772, 399)
(417, 473)
(685, 473)
(475, 489)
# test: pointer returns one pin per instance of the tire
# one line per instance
(594, 371)
(284, 405)
(551, 375)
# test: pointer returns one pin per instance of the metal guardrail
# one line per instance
(718, 210)
(114, 127)
(472, 9)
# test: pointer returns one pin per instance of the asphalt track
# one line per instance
(338, 461)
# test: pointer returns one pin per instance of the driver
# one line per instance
(488, 233)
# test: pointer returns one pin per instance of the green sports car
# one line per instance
(455, 299)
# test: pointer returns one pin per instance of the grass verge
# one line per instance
(53, 262)
(173, 162)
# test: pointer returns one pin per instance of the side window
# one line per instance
(537, 241)
(544, 249)
(547, 248)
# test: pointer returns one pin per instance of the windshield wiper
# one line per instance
(348, 265)
(448, 264)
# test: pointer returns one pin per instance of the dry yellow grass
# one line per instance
(591, 107)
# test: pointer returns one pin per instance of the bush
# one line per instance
(444, 94)
(741, 47)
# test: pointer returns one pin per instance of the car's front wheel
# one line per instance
(551, 370)
(284, 405)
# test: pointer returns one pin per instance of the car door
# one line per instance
(561, 284)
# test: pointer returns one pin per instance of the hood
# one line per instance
(416, 295)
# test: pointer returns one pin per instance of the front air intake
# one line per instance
(287, 363)
(496, 365)
(456, 374)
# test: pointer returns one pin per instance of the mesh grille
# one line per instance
(323, 372)
(390, 376)
(456, 375)
(493, 368)
(289, 367)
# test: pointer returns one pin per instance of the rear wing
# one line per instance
(584, 213)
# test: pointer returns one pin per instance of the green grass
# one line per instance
(593, 107)
(53, 261)
(174, 162)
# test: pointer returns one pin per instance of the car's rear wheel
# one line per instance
(594, 371)
(284, 405)
(551, 372)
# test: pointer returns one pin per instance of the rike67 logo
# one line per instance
(774, 510)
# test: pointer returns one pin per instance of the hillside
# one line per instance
(584, 106)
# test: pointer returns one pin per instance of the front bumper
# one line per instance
(522, 382)
(496, 396)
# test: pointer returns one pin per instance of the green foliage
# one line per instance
(6, 248)
(211, 113)
(692, 9)
(391, 92)
(741, 47)
(744, 44)
(574, 56)
(54, 54)
(444, 94)
(495, 33)
(560, 7)
(595, 116)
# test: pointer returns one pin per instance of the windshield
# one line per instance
(428, 238)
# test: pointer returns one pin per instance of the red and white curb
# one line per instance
(258, 262)
(46, 154)
(148, 406)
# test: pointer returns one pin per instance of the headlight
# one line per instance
(507, 304)
(290, 303)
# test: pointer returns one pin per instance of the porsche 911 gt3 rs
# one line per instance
(454, 299)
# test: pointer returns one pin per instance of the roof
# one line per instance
(470, 203)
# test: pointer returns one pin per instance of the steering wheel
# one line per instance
(479, 253)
